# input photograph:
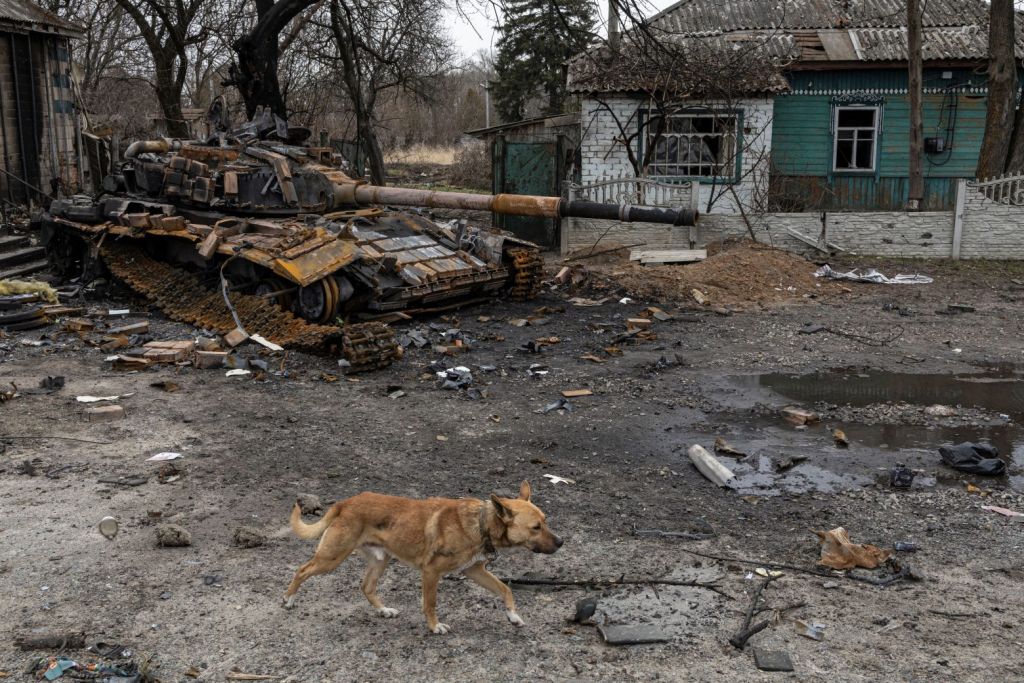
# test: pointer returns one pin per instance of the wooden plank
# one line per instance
(668, 255)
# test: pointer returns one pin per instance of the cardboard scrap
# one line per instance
(838, 552)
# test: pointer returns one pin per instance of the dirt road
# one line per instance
(250, 447)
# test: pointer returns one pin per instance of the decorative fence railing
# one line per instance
(1005, 189)
(643, 191)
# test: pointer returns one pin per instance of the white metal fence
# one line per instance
(1005, 189)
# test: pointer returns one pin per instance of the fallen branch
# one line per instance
(604, 583)
(739, 640)
(52, 641)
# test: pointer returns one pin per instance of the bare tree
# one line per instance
(168, 28)
(380, 49)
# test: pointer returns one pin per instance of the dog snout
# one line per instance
(558, 541)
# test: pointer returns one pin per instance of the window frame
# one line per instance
(877, 109)
(733, 165)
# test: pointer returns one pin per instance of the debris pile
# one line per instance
(742, 274)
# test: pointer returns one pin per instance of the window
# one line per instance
(694, 145)
(855, 134)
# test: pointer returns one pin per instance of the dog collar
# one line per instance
(485, 535)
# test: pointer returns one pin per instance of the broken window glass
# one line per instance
(692, 145)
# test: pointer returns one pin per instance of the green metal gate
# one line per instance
(533, 168)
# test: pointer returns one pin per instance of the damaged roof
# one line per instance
(791, 33)
(28, 16)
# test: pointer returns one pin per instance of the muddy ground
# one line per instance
(251, 446)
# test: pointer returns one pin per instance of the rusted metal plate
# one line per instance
(315, 264)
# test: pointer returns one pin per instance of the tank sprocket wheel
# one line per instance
(527, 271)
(182, 296)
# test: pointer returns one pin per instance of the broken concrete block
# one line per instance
(772, 660)
(309, 504)
(207, 344)
(248, 537)
(210, 359)
(172, 536)
(104, 413)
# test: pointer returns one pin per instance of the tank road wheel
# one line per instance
(526, 269)
(276, 291)
(319, 301)
(68, 255)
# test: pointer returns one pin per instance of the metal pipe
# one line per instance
(151, 146)
(512, 204)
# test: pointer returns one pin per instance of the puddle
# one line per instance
(1000, 391)
(874, 448)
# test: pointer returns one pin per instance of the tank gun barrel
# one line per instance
(517, 205)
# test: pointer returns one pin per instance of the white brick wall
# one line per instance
(991, 229)
(604, 154)
(889, 233)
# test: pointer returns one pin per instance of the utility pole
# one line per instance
(915, 194)
(487, 103)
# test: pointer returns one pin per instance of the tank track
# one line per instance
(527, 269)
(182, 296)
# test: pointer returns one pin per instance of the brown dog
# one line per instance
(436, 535)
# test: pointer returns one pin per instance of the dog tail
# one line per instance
(314, 530)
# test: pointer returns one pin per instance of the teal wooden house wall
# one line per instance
(802, 176)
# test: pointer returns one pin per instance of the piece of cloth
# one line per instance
(973, 458)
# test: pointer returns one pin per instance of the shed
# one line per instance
(533, 156)
(38, 126)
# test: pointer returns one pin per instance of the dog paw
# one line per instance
(387, 612)
(288, 602)
(441, 629)
(514, 618)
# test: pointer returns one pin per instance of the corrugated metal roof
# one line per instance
(790, 32)
(695, 16)
(35, 18)
(733, 64)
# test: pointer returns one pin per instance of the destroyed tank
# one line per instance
(254, 229)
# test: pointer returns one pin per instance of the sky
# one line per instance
(472, 30)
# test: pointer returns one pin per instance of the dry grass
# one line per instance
(421, 154)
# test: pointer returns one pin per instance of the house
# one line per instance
(689, 96)
(39, 134)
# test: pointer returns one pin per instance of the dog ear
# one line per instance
(503, 512)
(525, 491)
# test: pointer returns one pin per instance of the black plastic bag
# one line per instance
(975, 458)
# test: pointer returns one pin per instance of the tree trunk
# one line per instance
(1002, 91)
(168, 94)
(915, 194)
(254, 70)
(254, 73)
(371, 146)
